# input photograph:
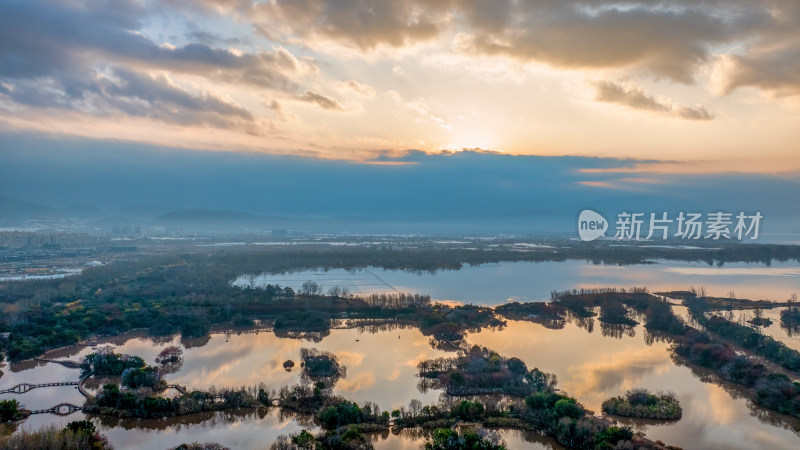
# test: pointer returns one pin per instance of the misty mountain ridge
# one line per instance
(107, 183)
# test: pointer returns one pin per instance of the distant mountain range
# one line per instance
(86, 217)
(211, 220)
(106, 184)
(12, 208)
(18, 212)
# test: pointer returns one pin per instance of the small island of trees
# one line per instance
(140, 377)
(790, 317)
(479, 370)
(642, 404)
(170, 359)
(318, 365)
(342, 438)
(105, 362)
(447, 439)
(142, 403)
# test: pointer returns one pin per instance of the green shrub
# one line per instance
(608, 438)
(641, 404)
(9, 409)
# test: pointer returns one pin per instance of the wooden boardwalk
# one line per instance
(183, 391)
(178, 388)
(26, 387)
(231, 332)
(80, 386)
(61, 409)
(63, 362)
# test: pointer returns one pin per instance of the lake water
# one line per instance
(591, 365)
(493, 284)
(788, 337)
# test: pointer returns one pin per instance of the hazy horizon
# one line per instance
(463, 191)
(502, 115)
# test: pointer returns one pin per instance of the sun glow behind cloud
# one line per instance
(475, 138)
(713, 84)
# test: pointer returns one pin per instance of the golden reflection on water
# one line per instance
(750, 280)
(788, 336)
(513, 439)
(593, 367)
(381, 367)
(533, 281)
(245, 430)
(720, 405)
(592, 379)
(588, 365)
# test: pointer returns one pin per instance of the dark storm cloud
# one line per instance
(55, 54)
(772, 61)
(37, 37)
(636, 98)
(157, 97)
(488, 15)
(361, 23)
(607, 91)
(209, 6)
(771, 68)
(126, 91)
(208, 38)
(668, 39)
(44, 39)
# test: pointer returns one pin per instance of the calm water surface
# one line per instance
(791, 339)
(592, 363)
(593, 367)
(492, 284)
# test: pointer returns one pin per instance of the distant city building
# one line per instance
(126, 230)
(46, 240)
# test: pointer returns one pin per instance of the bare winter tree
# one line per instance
(415, 406)
(311, 288)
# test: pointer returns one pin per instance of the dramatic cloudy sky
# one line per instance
(703, 85)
